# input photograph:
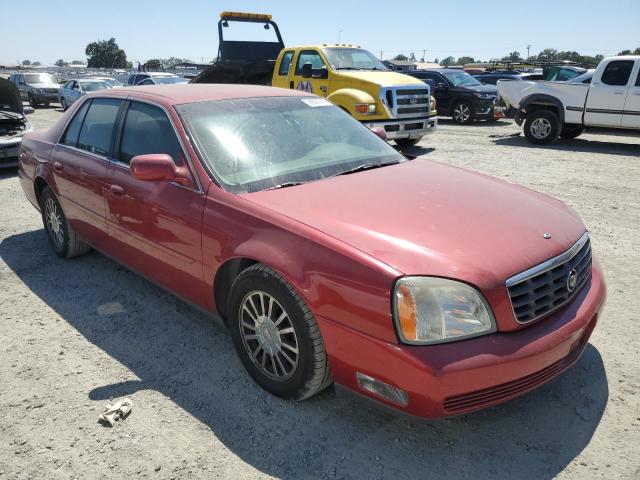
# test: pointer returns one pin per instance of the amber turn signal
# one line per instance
(406, 311)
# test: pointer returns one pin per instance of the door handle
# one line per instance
(619, 92)
(57, 166)
(117, 190)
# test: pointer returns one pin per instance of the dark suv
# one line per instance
(460, 96)
(38, 88)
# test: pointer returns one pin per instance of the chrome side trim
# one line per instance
(551, 263)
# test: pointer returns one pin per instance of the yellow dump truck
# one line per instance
(349, 76)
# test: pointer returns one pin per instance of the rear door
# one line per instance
(315, 84)
(631, 114)
(607, 94)
(80, 167)
(156, 225)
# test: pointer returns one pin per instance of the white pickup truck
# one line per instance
(562, 109)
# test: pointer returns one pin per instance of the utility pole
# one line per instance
(528, 48)
(424, 53)
(381, 52)
(339, 36)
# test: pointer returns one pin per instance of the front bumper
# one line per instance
(45, 97)
(406, 128)
(461, 377)
(9, 151)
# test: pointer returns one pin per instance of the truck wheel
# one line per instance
(463, 112)
(32, 101)
(570, 132)
(541, 127)
(276, 335)
(407, 142)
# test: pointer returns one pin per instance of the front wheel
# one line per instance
(276, 335)
(407, 142)
(62, 237)
(64, 105)
(32, 101)
(462, 112)
(541, 127)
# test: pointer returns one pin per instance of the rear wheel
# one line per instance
(63, 239)
(571, 131)
(541, 127)
(462, 112)
(276, 335)
(407, 142)
(63, 102)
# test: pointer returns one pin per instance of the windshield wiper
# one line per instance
(366, 166)
(284, 185)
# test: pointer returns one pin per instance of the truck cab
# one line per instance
(355, 80)
(349, 76)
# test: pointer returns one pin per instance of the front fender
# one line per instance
(347, 98)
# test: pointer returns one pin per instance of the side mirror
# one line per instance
(441, 86)
(27, 110)
(307, 70)
(379, 131)
(154, 166)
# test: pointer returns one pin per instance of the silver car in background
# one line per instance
(74, 89)
(13, 123)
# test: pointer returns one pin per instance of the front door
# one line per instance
(607, 94)
(156, 225)
(631, 114)
(316, 84)
(81, 166)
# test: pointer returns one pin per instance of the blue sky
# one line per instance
(187, 28)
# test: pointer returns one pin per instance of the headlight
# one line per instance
(431, 310)
(484, 95)
(364, 108)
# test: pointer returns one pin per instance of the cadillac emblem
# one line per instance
(572, 280)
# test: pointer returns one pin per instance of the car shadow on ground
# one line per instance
(575, 145)
(180, 352)
(478, 123)
(8, 172)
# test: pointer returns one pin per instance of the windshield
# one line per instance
(112, 81)
(461, 79)
(169, 80)
(352, 59)
(39, 78)
(93, 86)
(254, 144)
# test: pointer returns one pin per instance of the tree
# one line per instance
(625, 52)
(154, 64)
(26, 63)
(636, 51)
(412, 57)
(129, 65)
(105, 54)
(435, 60)
(548, 54)
(465, 60)
(36, 64)
(77, 62)
(512, 57)
(60, 63)
(400, 56)
(448, 61)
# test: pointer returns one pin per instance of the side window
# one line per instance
(148, 130)
(309, 56)
(565, 74)
(70, 137)
(285, 64)
(97, 129)
(617, 72)
(146, 81)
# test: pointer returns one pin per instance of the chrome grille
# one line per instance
(546, 287)
(407, 102)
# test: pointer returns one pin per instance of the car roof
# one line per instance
(437, 70)
(178, 94)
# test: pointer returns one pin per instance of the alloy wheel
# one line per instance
(540, 128)
(54, 221)
(462, 113)
(268, 335)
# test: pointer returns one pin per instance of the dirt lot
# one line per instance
(77, 333)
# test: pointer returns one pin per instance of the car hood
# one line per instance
(9, 97)
(484, 88)
(381, 79)
(426, 218)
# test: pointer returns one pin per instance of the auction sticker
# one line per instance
(316, 102)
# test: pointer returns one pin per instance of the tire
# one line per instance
(462, 112)
(287, 327)
(63, 103)
(32, 101)
(407, 142)
(62, 238)
(570, 132)
(541, 127)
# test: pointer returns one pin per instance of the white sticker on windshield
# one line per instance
(316, 102)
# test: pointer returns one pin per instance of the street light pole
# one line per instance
(339, 36)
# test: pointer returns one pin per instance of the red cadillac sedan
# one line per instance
(330, 256)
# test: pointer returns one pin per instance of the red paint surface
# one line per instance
(341, 242)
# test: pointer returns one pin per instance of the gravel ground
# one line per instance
(78, 333)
